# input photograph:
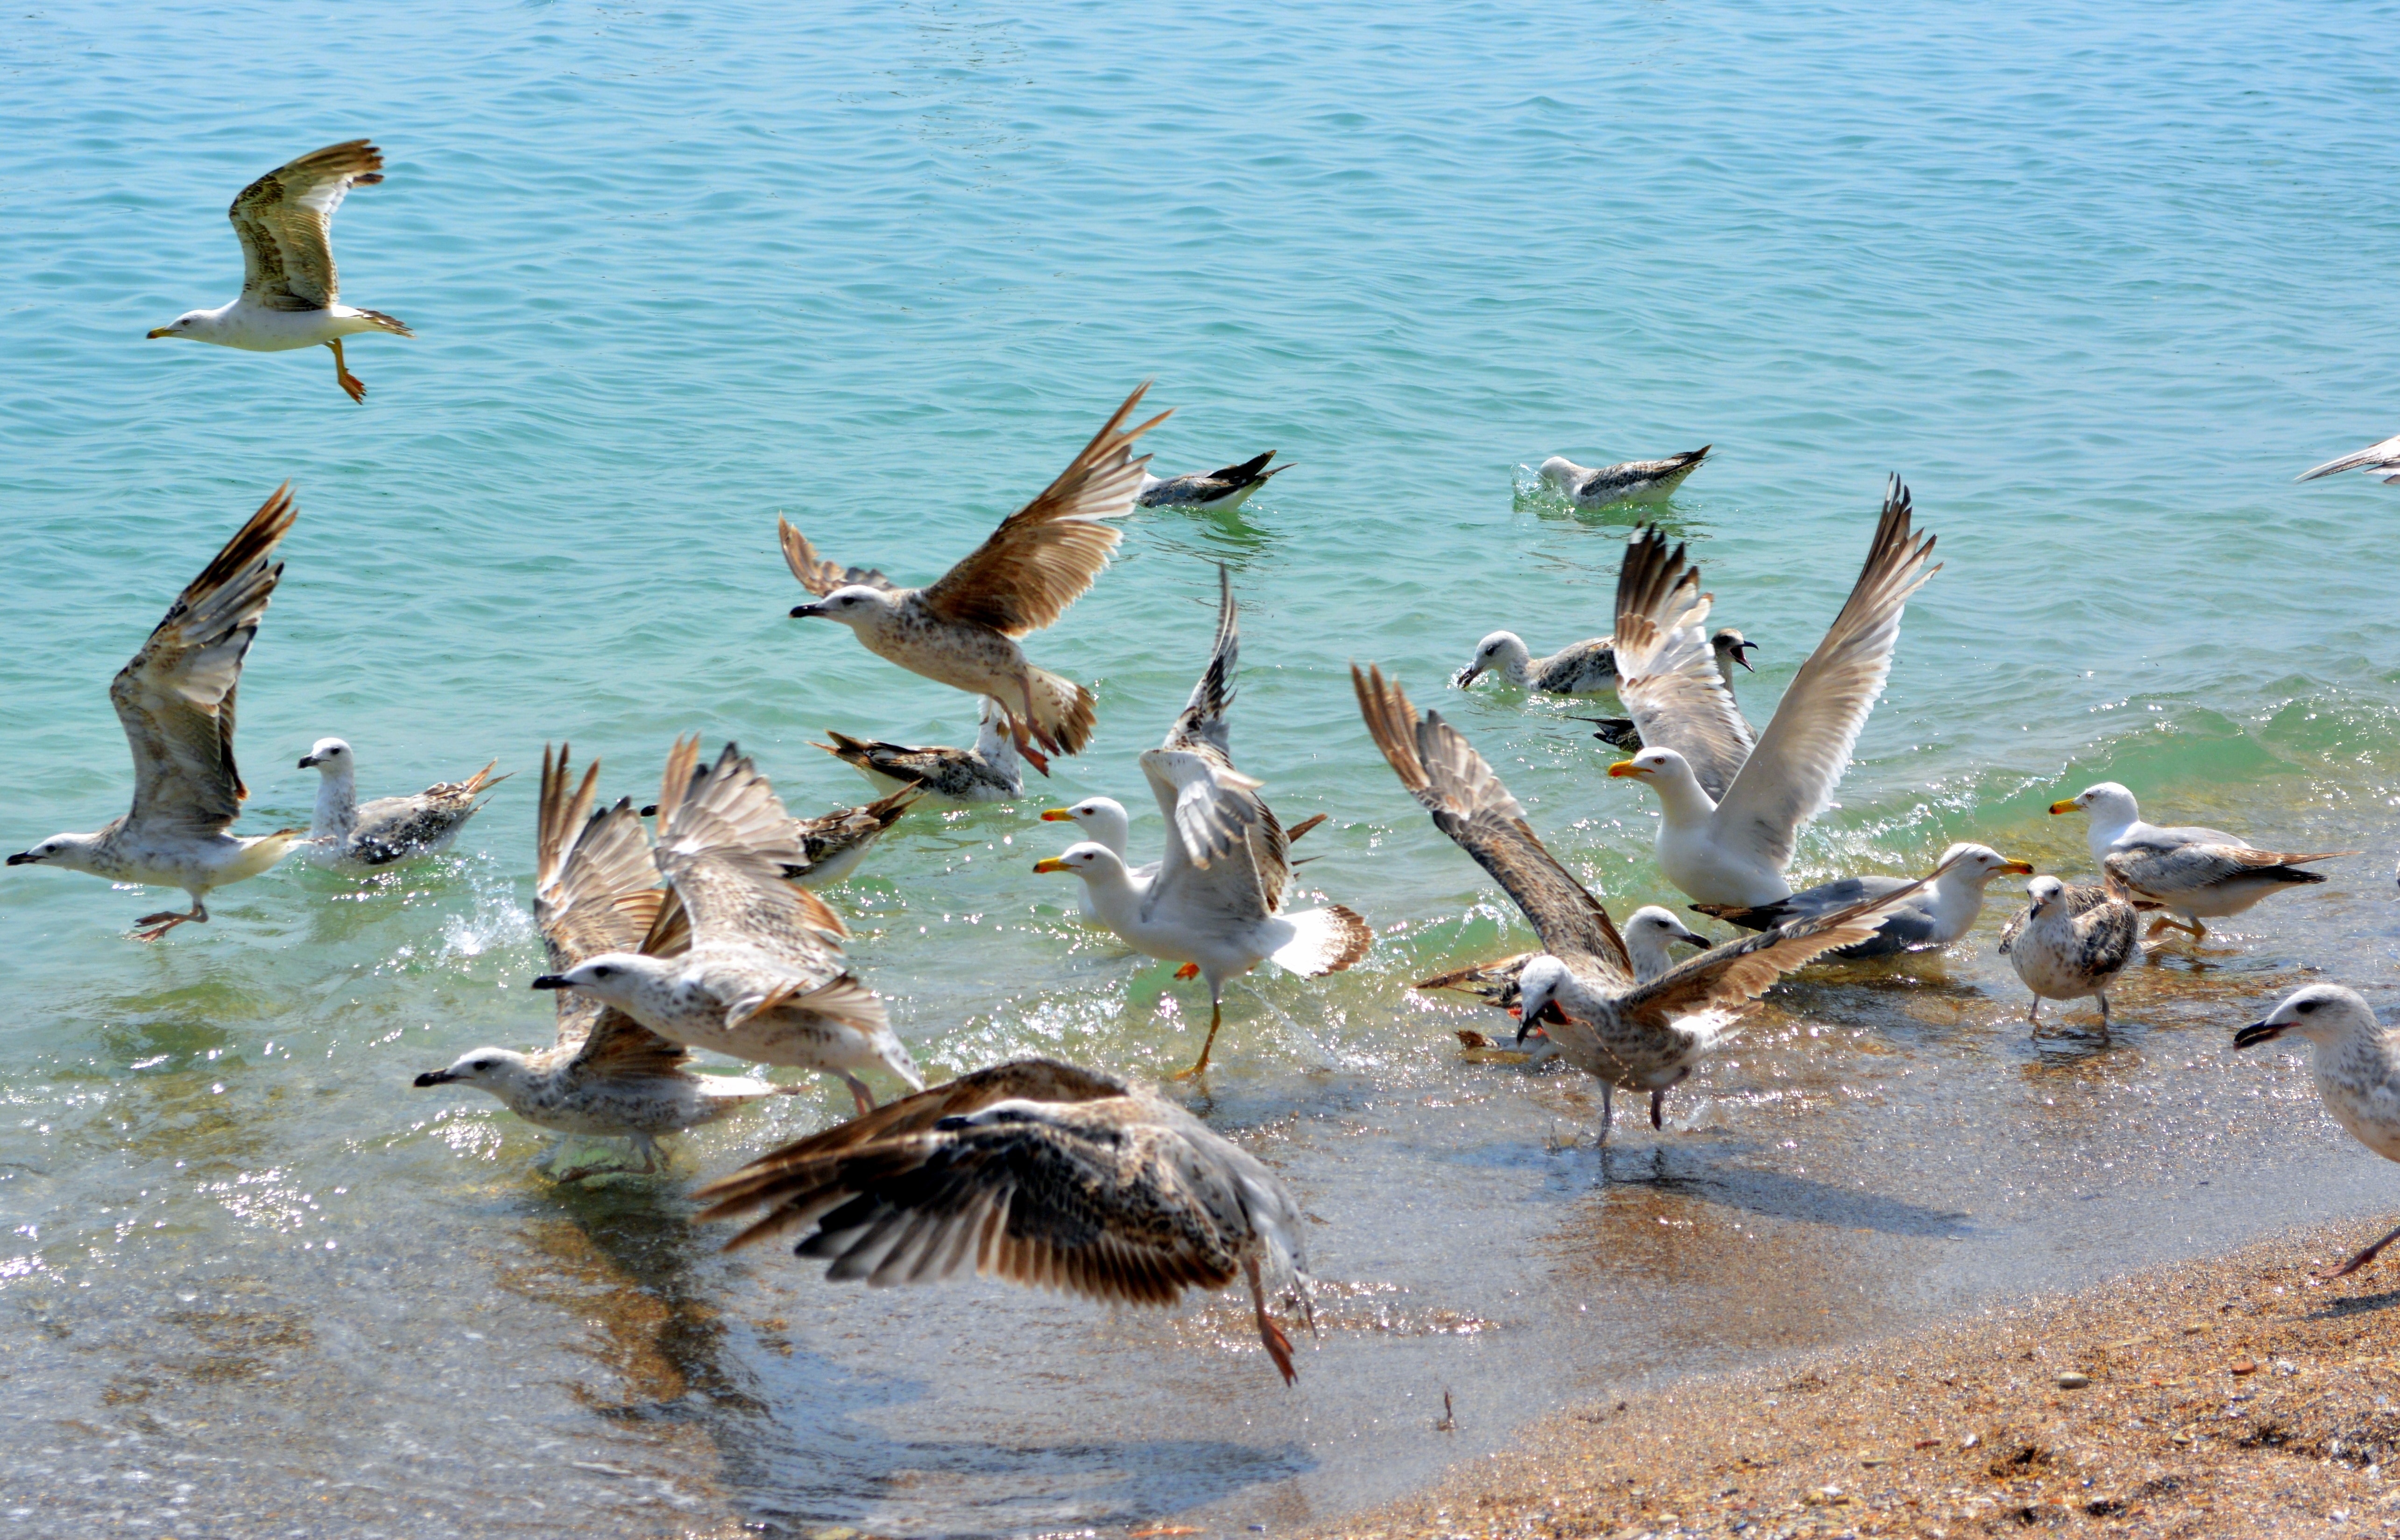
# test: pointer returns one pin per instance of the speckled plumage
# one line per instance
(1629, 481)
(2070, 942)
(989, 773)
(1038, 1172)
(351, 835)
(1582, 668)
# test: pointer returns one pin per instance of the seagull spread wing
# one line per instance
(2375, 459)
(1224, 853)
(725, 842)
(285, 221)
(1442, 770)
(596, 889)
(1666, 673)
(817, 574)
(1791, 775)
(1203, 717)
(175, 699)
(1046, 554)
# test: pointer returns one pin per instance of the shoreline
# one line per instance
(2224, 1396)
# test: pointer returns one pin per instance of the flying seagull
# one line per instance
(175, 702)
(1041, 1173)
(289, 295)
(960, 630)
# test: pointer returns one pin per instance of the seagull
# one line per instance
(2070, 942)
(175, 700)
(1104, 821)
(1217, 491)
(596, 890)
(1584, 668)
(1581, 987)
(2192, 872)
(956, 778)
(762, 979)
(833, 844)
(1732, 847)
(388, 829)
(1634, 481)
(1731, 649)
(288, 296)
(1936, 917)
(1216, 903)
(1041, 1173)
(2357, 1069)
(960, 630)
(1647, 932)
(2376, 459)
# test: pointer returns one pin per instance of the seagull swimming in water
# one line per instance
(2357, 1065)
(962, 630)
(1583, 668)
(1731, 845)
(596, 890)
(350, 835)
(289, 297)
(1633, 480)
(949, 777)
(1581, 987)
(2193, 872)
(175, 701)
(1214, 492)
(1041, 1173)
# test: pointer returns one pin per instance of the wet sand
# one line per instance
(2230, 1396)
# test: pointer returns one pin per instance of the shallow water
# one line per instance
(2097, 288)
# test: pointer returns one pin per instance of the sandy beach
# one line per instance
(2225, 1397)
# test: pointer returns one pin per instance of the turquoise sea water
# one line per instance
(2097, 288)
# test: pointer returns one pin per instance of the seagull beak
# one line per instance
(158, 332)
(1051, 863)
(551, 981)
(2067, 806)
(1466, 676)
(2022, 869)
(435, 1077)
(1626, 767)
(805, 612)
(1693, 938)
(1741, 656)
(2258, 1031)
(308, 762)
(24, 858)
(1057, 815)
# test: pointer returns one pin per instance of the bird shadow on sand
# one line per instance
(2356, 1305)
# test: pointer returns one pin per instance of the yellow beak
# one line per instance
(2022, 869)
(1057, 815)
(2067, 806)
(1626, 767)
(1051, 863)
(162, 331)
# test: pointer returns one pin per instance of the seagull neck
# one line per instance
(2111, 824)
(1648, 953)
(338, 804)
(1957, 899)
(1681, 798)
(1113, 898)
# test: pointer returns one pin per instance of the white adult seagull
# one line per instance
(1216, 903)
(175, 702)
(960, 630)
(289, 297)
(2187, 871)
(1581, 987)
(1733, 849)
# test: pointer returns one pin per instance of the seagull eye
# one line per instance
(2308, 1005)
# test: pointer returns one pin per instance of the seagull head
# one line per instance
(72, 851)
(1729, 643)
(1504, 650)
(612, 977)
(1537, 1003)
(856, 605)
(1087, 859)
(1976, 864)
(494, 1069)
(2044, 892)
(1559, 470)
(191, 323)
(2108, 803)
(1648, 931)
(329, 756)
(2322, 1013)
(1103, 818)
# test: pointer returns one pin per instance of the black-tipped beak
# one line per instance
(805, 612)
(1466, 676)
(2258, 1031)
(22, 858)
(1694, 938)
(435, 1077)
(550, 981)
(651, 812)
(308, 762)
(1741, 655)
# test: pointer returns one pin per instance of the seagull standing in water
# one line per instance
(1580, 988)
(1041, 1173)
(1731, 846)
(1216, 903)
(1103, 820)
(2071, 942)
(2357, 1065)
(596, 890)
(289, 297)
(962, 630)
(353, 836)
(175, 701)
(2193, 872)
(1632, 480)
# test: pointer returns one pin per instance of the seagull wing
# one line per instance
(817, 574)
(1203, 720)
(284, 223)
(2164, 868)
(1442, 770)
(2378, 457)
(1046, 554)
(724, 843)
(1724, 978)
(1666, 673)
(595, 887)
(175, 699)
(1791, 775)
(1224, 850)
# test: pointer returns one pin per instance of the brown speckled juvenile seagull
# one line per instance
(960, 630)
